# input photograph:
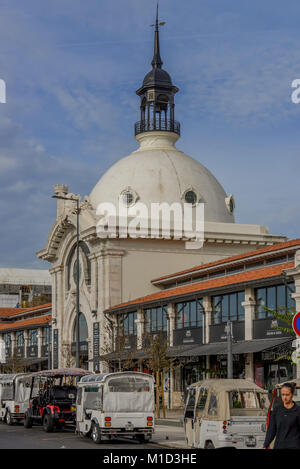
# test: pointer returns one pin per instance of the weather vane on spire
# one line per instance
(156, 61)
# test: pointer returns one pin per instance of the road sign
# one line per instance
(296, 323)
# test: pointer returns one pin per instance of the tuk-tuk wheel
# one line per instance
(96, 435)
(48, 423)
(8, 419)
(209, 445)
(27, 421)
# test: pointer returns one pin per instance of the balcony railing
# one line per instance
(151, 126)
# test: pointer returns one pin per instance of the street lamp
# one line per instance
(77, 273)
(228, 329)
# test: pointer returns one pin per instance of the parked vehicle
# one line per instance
(52, 398)
(225, 413)
(14, 396)
(116, 404)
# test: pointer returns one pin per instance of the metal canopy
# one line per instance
(245, 346)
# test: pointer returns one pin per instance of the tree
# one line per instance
(284, 315)
(14, 365)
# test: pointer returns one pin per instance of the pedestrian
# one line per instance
(285, 421)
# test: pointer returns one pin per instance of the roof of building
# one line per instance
(235, 279)
(27, 322)
(8, 312)
(24, 276)
(238, 257)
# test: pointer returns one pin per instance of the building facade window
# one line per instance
(33, 337)
(189, 314)
(47, 336)
(83, 329)
(127, 324)
(228, 307)
(156, 319)
(273, 297)
(20, 339)
(7, 339)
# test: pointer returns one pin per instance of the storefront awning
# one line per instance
(216, 348)
(245, 346)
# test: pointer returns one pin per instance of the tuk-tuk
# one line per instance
(52, 398)
(116, 404)
(223, 413)
(14, 396)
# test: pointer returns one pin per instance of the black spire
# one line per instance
(157, 95)
(156, 61)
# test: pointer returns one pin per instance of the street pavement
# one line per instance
(18, 437)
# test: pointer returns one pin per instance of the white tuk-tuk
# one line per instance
(225, 413)
(116, 404)
(14, 396)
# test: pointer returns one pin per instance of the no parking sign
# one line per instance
(296, 323)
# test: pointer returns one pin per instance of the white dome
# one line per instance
(159, 172)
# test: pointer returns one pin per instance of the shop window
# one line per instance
(228, 307)
(189, 314)
(276, 298)
(127, 324)
(156, 319)
(213, 406)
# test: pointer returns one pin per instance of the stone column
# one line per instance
(171, 324)
(13, 343)
(140, 323)
(40, 341)
(26, 339)
(249, 307)
(207, 317)
(249, 367)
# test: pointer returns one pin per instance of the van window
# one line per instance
(190, 404)
(213, 406)
(129, 384)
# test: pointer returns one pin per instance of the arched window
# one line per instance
(83, 329)
(84, 269)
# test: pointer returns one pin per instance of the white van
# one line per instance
(14, 396)
(116, 404)
(223, 413)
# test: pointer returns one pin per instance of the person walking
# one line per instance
(285, 421)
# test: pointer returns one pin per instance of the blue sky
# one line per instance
(71, 70)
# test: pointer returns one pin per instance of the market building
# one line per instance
(117, 269)
(193, 306)
(26, 337)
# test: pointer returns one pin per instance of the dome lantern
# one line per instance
(157, 96)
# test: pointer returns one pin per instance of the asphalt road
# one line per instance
(18, 437)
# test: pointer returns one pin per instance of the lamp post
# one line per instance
(229, 350)
(77, 274)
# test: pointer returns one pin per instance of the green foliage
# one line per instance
(285, 315)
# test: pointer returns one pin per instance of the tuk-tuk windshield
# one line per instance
(190, 404)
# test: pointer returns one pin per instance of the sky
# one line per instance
(71, 70)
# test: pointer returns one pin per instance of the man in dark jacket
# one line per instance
(285, 422)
